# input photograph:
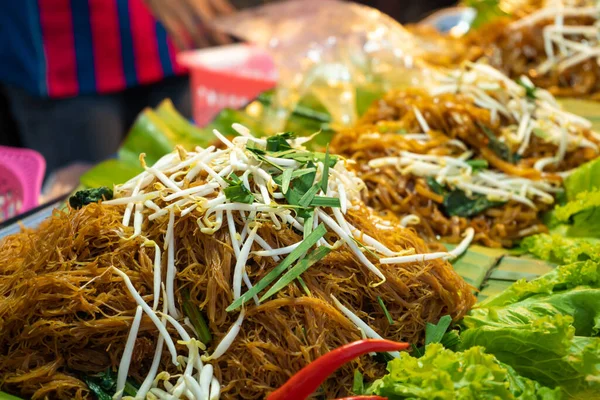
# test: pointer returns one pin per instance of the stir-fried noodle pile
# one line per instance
(557, 46)
(209, 224)
(504, 145)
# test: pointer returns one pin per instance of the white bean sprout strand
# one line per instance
(236, 189)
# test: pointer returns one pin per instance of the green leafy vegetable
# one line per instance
(582, 215)
(561, 250)
(196, 318)
(529, 88)
(297, 270)
(546, 329)
(298, 252)
(325, 177)
(583, 179)
(279, 142)
(435, 332)
(445, 375)
(286, 177)
(88, 196)
(239, 193)
(385, 310)
(322, 201)
(497, 146)
(358, 383)
(478, 164)
(561, 278)
(435, 186)
(458, 203)
(104, 385)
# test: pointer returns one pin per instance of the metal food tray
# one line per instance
(30, 219)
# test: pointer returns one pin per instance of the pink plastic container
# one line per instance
(226, 77)
(21, 176)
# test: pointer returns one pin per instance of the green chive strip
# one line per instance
(308, 197)
(285, 180)
(297, 270)
(304, 287)
(385, 310)
(322, 201)
(298, 252)
(325, 177)
(196, 318)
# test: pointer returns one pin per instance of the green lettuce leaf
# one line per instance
(582, 214)
(443, 374)
(547, 328)
(561, 250)
(584, 273)
(583, 179)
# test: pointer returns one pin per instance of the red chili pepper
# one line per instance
(309, 378)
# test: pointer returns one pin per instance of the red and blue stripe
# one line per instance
(101, 46)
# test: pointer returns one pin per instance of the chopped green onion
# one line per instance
(308, 197)
(322, 201)
(304, 287)
(239, 194)
(196, 318)
(279, 142)
(478, 164)
(325, 177)
(308, 222)
(529, 89)
(385, 310)
(358, 383)
(435, 333)
(259, 154)
(298, 269)
(285, 180)
(298, 252)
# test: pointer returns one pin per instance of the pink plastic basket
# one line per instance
(21, 176)
(227, 77)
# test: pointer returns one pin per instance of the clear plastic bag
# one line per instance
(327, 48)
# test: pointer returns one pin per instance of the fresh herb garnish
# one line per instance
(385, 310)
(457, 203)
(196, 318)
(279, 142)
(298, 252)
(478, 164)
(286, 177)
(304, 287)
(500, 148)
(87, 196)
(358, 383)
(325, 177)
(529, 89)
(239, 193)
(435, 332)
(322, 201)
(435, 186)
(297, 270)
(104, 385)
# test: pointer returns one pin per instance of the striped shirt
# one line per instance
(62, 48)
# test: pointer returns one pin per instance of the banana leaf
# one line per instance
(476, 263)
(511, 268)
(492, 287)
